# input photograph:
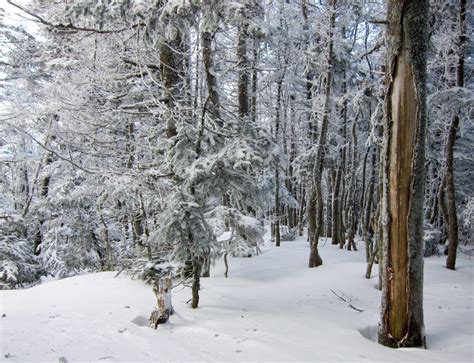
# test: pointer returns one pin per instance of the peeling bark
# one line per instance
(403, 176)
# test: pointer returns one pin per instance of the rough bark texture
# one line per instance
(403, 176)
(315, 202)
(242, 63)
(450, 190)
(314, 226)
(171, 70)
(197, 266)
(210, 78)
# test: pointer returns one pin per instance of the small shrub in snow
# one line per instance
(19, 265)
(432, 238)
(288, 234)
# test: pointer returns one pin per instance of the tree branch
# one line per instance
(70, 26)
(340, 297)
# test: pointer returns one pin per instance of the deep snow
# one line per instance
(271, 308)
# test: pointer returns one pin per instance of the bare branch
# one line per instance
(375, 48)
(378, 21)
(340, 297)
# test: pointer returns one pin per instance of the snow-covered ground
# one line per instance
(271, 308)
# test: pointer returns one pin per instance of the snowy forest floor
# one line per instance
(271, 308)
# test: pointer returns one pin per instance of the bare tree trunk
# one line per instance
(277, 171)
(206, 40)
(450, 189)
(314, 211)
(301, 210)
(277, 209)
(309, 75)
(226, 264)
(171, 70)
(196, 286)
(254, 79)
(315, 202)
(371, 261)
(335, 208)
(403, 175)
(442, 205)
(242, 63)
(43, 194)
(291, 184)
(362, 203)
(328, 219)
(351, 200)
(108, 257)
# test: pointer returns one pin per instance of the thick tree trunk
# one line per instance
(403, 175)
(450, 189)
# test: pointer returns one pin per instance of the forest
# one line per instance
(165, 140)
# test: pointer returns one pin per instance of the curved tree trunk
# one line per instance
(315, 202)
(206, 40)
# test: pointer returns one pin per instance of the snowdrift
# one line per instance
(271, 308)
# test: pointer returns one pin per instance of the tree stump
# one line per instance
(164, 308)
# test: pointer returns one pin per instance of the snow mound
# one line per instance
(271, 308)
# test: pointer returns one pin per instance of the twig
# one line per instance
(345, 300)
